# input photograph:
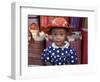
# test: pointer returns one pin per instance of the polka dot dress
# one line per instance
(59, 56)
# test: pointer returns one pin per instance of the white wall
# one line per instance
(5, 36)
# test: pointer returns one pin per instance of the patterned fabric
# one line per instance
(59, 56)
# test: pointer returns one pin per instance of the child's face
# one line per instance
(34, 27)
(58, 36)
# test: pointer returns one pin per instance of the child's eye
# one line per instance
(61, 34)
(55, 34)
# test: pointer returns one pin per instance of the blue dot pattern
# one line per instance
(59, 56)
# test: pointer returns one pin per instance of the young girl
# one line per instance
(59, 52)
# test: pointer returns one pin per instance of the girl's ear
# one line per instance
(50, 37)
(66, 38)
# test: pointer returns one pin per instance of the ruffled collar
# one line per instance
(65, 46)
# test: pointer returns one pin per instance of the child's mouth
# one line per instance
(58, 42)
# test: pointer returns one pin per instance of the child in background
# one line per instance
(59, 52)
(36, 35)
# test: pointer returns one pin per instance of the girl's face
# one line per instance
(34, 27)
(58, 36)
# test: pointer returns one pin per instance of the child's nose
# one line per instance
(58, 37)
